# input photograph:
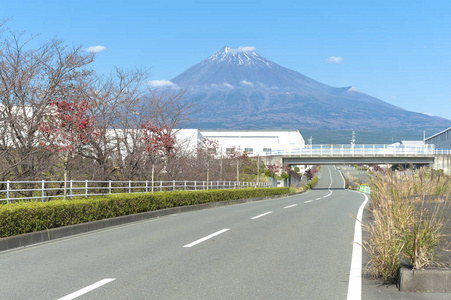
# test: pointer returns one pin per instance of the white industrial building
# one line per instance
(253, 142)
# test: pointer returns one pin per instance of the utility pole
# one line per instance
(258, 169)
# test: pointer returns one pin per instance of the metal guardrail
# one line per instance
(373, 150)
(46, 190)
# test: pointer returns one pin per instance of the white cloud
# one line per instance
(229, 86)
(95, 49)
(244, 49)
(245, 82)
(160, 83)
(334, 60)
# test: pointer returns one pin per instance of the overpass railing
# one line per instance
(43, 190)
(370, 150)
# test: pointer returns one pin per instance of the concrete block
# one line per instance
(425, 281)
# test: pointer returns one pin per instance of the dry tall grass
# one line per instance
(407, 223)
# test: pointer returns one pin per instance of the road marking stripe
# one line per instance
(87, 289)
(318, 199)
(308, 201)
(259, 216)
(289, 206)
(355, 274)
(206, 238)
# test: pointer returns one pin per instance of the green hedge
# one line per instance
(312, 182)
(27, 217)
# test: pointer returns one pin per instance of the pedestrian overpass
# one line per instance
(362, 154)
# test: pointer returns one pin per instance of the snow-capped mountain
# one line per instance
(236, 88)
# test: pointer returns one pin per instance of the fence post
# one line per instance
(7, 192)
(147, 188)
(109, 187)
(195, 188)
(161, 185)
(129, 186)
(173, 184)
(43, 190)
(86, 188)
(185, 185)
(70, 189)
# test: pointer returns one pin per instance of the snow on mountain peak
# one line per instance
(352, 89)
(243, 55)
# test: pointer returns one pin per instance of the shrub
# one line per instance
(312, 182)
(402, 226)
(27, 217)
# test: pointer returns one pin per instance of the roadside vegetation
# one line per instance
(25, 217)
(406, 221)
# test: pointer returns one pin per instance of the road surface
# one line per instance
(297, 247)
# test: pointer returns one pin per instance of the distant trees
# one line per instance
(67, 128)
(157, 144)
(30, 81)
(46, 93)
(97, 127)
(206, 152)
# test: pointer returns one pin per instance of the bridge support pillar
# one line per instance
(274, 160)
(442, 161)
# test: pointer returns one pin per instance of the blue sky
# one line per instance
(398, 51)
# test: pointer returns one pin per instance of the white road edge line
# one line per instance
(87, 289)
(259, 216)
(355, 274)
(289, 206)
(206, 238)
(308, 201)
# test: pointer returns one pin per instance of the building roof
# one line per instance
(441, 132)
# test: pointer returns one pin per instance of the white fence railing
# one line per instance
(370, 150)
(46, 190)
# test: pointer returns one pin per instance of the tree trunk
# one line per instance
(208, 172)
(153, 174)
(237, 172)
(66, 162)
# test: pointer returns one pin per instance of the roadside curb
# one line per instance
(424, 281)
(32, 238)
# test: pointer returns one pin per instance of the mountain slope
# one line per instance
(239, 89)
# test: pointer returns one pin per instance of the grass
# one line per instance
(406, 221)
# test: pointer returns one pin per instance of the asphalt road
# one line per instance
(297, 247)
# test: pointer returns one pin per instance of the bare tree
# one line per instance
(30, 79)
(169, 107)
(115, 108)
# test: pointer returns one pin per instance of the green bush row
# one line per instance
(312, 182)
(27, 217)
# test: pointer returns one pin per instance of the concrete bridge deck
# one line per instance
(362, 154)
